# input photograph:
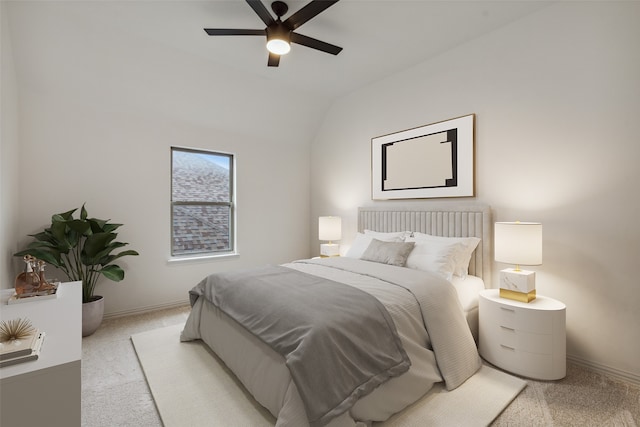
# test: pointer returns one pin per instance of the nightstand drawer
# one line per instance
(524, 320)
(525, 341)
(524, 363)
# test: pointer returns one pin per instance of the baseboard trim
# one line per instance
(606, 370)
(146, 309)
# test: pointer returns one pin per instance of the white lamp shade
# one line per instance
(518, 243)
(329, 228)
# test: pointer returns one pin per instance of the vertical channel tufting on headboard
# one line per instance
(448, 220)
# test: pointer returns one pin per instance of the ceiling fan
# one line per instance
(281, 34)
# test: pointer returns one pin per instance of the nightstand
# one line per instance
(528, 339)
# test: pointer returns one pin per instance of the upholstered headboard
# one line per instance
(448, 220)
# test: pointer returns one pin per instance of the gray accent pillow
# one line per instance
(393, 253)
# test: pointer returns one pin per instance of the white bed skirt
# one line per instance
(263, 372)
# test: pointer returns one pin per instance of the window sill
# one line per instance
(199, 258)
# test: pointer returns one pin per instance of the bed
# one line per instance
(449, 221)
(385, 358)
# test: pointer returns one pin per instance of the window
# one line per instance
(202, 212)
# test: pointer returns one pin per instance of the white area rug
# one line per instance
(192, 387)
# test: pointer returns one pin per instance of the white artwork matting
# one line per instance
(435, 160)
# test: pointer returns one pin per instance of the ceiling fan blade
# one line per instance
(274, 60)
(315, 44)
(262, 11)
(234, 32)
(308, 12)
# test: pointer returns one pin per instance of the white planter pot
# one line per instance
(92, 313)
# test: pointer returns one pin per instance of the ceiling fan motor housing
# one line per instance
(279, 8)
(279, 31)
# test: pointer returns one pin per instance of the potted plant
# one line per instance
(82, 249)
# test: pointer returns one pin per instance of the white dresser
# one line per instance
(47, 391)
(528, 339)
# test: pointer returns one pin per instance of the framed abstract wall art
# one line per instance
(431, 161)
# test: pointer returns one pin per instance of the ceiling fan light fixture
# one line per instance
(278, 39)
(280, 34)
(278, 46)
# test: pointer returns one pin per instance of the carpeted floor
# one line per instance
(115, 393)
(192, 387)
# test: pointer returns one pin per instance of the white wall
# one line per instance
(556, 97)
(9, 175)
(98, 125)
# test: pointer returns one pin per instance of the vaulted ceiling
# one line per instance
(379, 37)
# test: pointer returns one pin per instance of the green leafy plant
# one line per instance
(80, 247)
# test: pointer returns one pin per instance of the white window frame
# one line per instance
(232, 251)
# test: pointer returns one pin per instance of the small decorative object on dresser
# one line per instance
(518, 243)
(528, 339)
(19, 341)
(32, 352)
(31, 284)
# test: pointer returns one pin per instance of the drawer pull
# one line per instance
(508, 329)
(507, 347)
(507, 309)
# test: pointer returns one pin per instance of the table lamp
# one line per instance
(329, 229)
(518, 243)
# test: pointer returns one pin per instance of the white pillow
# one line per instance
(386, 237)
(438, 256)
(463, 255)
(362, 242)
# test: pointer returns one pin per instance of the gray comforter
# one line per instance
(453, 344)
(338, 342)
